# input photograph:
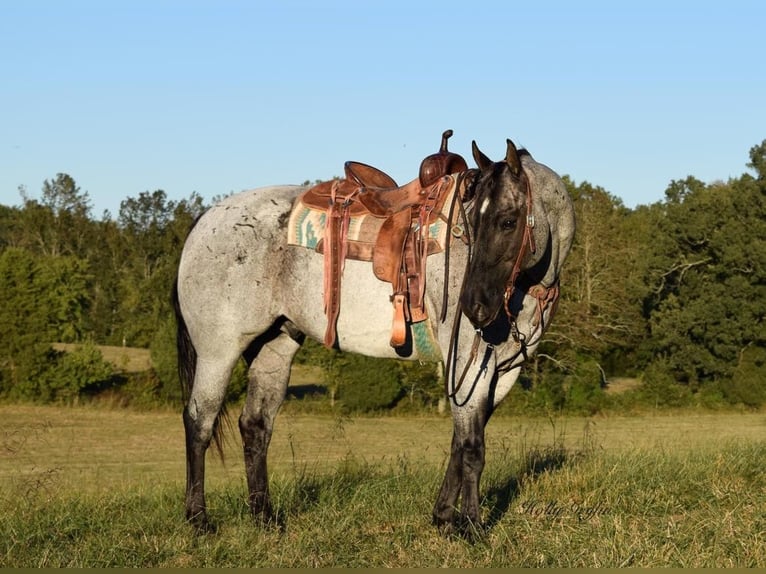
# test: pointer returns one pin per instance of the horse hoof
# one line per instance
(445, 526)
(201, 524)
(269, 520)
(472, 531)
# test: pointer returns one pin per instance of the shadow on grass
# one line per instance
(309, 489)
(306, 391)
(535, 462)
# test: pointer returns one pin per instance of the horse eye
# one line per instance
(509, 224)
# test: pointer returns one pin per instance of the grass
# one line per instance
(96, 487)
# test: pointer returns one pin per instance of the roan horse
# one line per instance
(243, 291)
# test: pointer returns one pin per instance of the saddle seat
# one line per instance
(400, 246)
(367, 189)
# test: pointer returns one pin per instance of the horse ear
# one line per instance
(481, 160)
(512, 158)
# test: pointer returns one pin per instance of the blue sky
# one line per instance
(222, 96)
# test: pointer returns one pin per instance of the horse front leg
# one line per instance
(445, 508)
(268, 376)
(473, 466)
(463, 474)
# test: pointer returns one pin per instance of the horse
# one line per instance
(243, 291)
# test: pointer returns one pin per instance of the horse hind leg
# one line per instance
(268, 376)
(201, 418)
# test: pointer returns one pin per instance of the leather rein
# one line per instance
(528, 241)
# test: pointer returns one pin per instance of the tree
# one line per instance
(68, 376)
(25, 334)
(59, 223)
(758, 159)
(44, 300)
(152, 233)
(600, 307)
(708, 278)
(10, 226)
(367, 384)
(66, 282)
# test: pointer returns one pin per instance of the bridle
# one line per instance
(527, 241)
(527, 244)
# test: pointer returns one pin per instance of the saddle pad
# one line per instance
(306, 226)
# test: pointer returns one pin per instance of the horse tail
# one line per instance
(187, 367)
(187, 354)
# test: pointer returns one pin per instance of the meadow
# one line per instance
(99, 487)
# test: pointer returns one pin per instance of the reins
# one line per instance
(462, 233)
(451, 386)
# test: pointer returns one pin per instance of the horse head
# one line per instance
(502, 220)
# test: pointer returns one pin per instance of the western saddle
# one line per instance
(398, 253)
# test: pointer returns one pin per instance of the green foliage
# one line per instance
(366, 384)
(66, 296)
(422, 383)
(314, 353)
(536, 393)
(59, 223)
(44, 299)
(709, 278)
(152, 230)
(660, 388)
(237, 388)
(163, 386)
(165, 360)
(748, 382)
(602, 289)
(758, 159)
(585, 394)
(74, 374)
(23, 317)
(673, 293)
(63, 377)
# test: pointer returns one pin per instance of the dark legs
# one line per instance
(200, 419)
(268, 377)
(255, 440)
(195, 474)
(463, 474)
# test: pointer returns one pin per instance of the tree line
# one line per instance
(672, 293)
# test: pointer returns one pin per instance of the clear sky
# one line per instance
(221, 96)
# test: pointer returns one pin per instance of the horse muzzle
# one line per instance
(479, 313)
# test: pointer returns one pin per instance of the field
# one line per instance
(98, 487)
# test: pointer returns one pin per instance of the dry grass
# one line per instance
(97, 487)
(101, 448)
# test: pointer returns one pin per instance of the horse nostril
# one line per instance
(473, 307)
(477, 314)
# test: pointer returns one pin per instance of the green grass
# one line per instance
(93, 487)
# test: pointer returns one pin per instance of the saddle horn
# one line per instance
(442, 163)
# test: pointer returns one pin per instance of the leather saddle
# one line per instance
(398, 253)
